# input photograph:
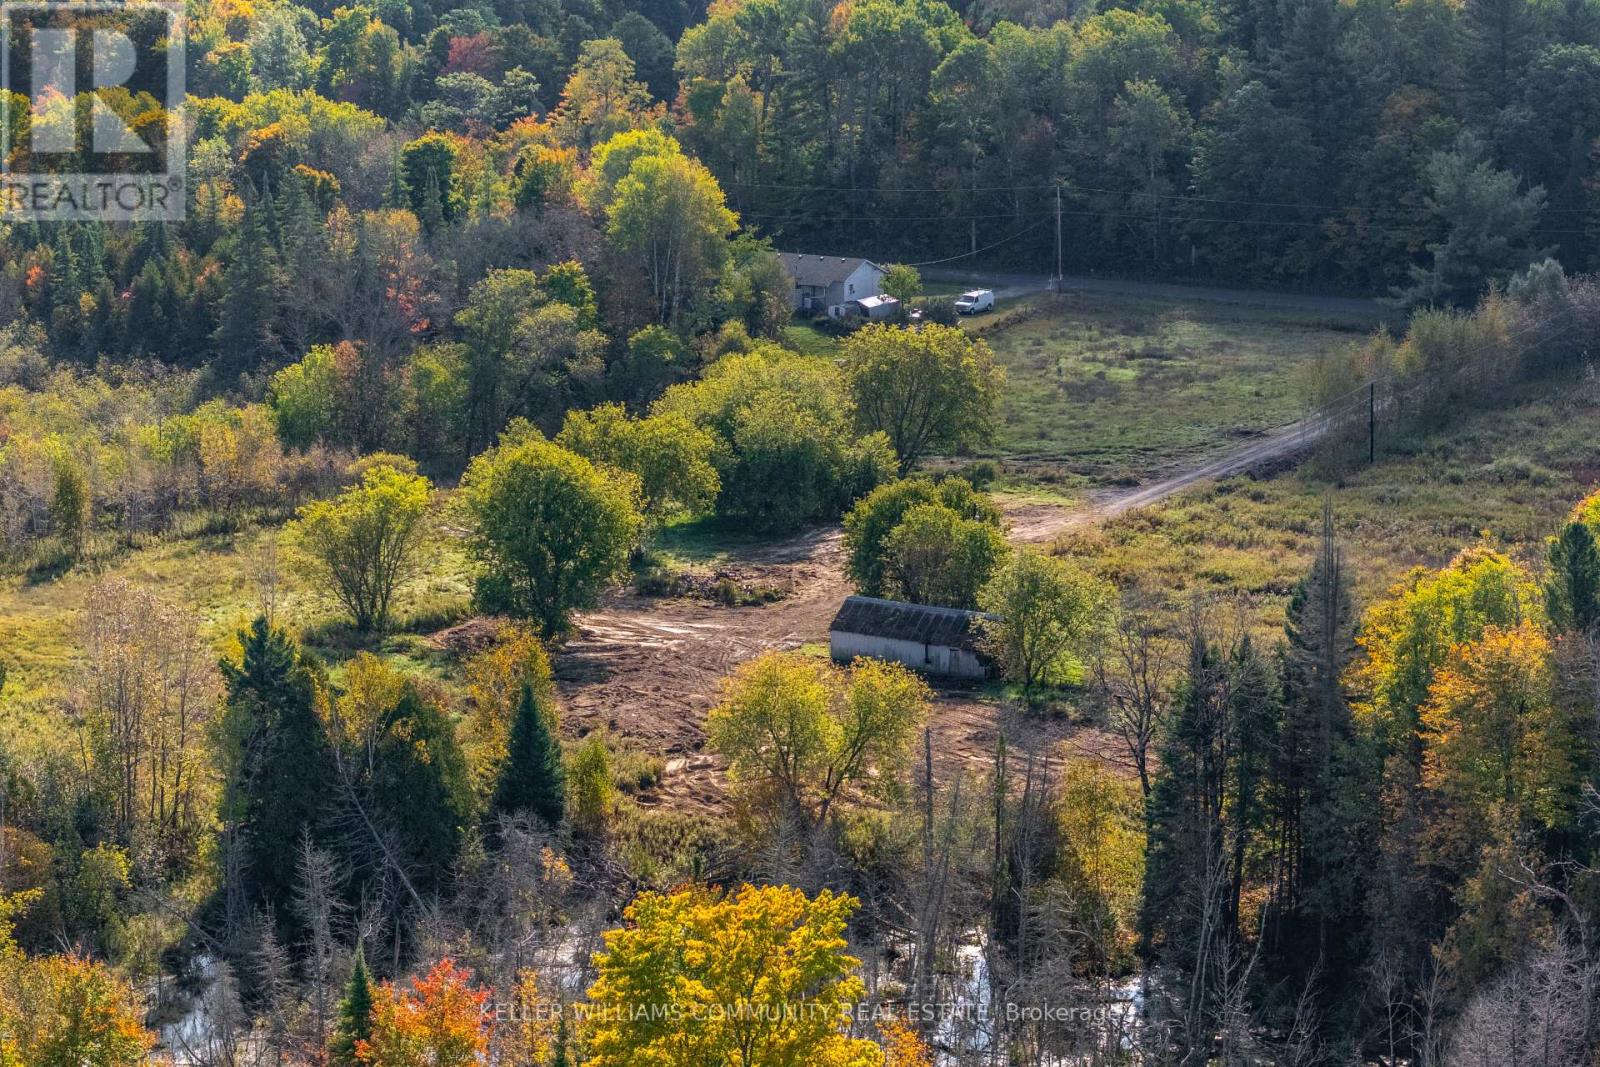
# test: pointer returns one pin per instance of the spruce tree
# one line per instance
(1572, 590)
(355, 1015)
(533, 779)
(420, 786)
(276, 784)
(1321, 812)
(248, 304)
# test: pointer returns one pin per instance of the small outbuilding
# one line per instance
(871, 308)
(941, 641)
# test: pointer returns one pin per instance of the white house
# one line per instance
(820, 282)
(934, 640)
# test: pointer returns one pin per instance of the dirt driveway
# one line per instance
(649, 669)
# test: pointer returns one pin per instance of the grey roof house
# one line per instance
(821, 282)
(942, 641)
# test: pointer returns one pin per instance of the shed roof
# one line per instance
(869, 302)
(900, 621)
(821, 271)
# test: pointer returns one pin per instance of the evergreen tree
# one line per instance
(1206, 818)
(1572, 590)
(355, 1015)
(1488, 227)
(247, 308)
(420, 783)
(533, 779)
(1185, 812)
(281, 769)
(1321, 813)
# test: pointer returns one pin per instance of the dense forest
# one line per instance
(475, 329)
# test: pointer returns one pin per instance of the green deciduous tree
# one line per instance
(591, 792)
(428, 165)
(668, 218)
(929, 388)
(788, 451)
(875, 516)
(550, 530)
(671, 456)
(902, 282)
(70, 504)
(1047, 609)
(935, 556)
(363, 543)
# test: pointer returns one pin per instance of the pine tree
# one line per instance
(533, 779)
(1206, 816)
(355, 1015)
(559, 1058)
(1572, 590)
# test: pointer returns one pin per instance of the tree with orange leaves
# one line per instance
(64, 1011)
(902, 1047)
(440, 1021)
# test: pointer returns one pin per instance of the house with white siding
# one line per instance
(822, 282)
(934, 640)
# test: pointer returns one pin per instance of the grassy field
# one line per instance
(220, 578)
(1105, 389)
(1111, 387)
(1509, 476)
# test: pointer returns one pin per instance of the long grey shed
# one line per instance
(942, 641)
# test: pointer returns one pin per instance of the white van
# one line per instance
(970, 303)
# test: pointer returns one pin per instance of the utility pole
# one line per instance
(1059, 275)
(1372, 423)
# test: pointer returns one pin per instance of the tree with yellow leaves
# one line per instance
(1494, 735)
(1408, 634)
(496, 676)
(602, 97)
(809, 732)
(902, 1047)
(758, 978)
(1101, 815)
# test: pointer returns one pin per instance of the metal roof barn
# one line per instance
(934, 640)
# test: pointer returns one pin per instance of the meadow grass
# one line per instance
(1509, 476)
(1109, 387)
(219, 578)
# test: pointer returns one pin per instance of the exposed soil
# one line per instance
(648, 669)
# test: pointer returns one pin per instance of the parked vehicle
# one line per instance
(974, 301)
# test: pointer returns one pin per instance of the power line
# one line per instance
(975, 251)
(1076, 189)
(824, 219)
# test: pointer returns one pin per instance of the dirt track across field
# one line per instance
(649, 669)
